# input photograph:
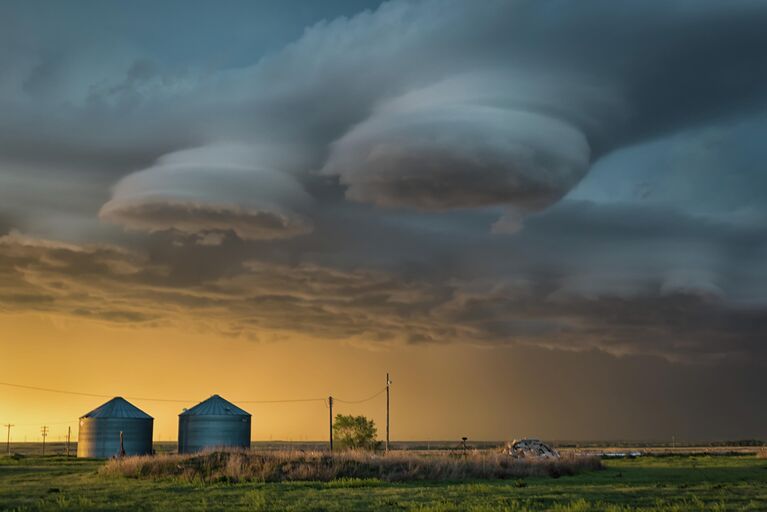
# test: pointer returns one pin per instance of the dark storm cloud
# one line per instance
(410, 92)
(554, 75)
(527, 172)
(269, 299)
(6, 223)
(54, 277)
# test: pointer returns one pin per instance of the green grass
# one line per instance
(646, 483)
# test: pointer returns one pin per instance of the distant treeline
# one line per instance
(656, 444)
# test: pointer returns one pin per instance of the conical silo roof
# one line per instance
(118, 407)
(215, 406)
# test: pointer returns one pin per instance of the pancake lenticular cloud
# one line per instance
(207, 190)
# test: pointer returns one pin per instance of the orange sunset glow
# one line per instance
(383, 255)
(539, 222)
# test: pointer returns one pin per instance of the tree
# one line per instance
(354, 432)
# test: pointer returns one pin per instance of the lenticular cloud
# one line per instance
(471, 142)
(209, 190)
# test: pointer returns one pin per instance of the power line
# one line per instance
(92, 395)
(70, 422)
(377, 394)
(280, 401)
(180, 400)
(327, 402)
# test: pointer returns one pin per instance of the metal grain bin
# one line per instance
(214, 423)
(99, 435)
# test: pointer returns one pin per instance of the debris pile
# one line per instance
(530, 449)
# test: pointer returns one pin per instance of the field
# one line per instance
(660, 483)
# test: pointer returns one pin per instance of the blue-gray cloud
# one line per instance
(211, 189)
(499, 172)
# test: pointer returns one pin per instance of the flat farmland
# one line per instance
(716, 482)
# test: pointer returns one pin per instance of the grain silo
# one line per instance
(99, 435)
(214, 423)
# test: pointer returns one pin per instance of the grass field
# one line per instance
(671, 483)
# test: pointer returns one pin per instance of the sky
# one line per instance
(544, 218)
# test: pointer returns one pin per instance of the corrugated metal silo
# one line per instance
(213, 423)
(99, 435)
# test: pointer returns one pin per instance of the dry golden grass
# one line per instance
(271, 466)
(761, 452)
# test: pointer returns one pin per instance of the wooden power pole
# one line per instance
(330, 405)
(69, 433)
(44, 432)
(388, 384)
(8, 439)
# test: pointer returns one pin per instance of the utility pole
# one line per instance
(330, 404)
(44, 432)
(69, 433)
(8, 439)
(388, 384)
